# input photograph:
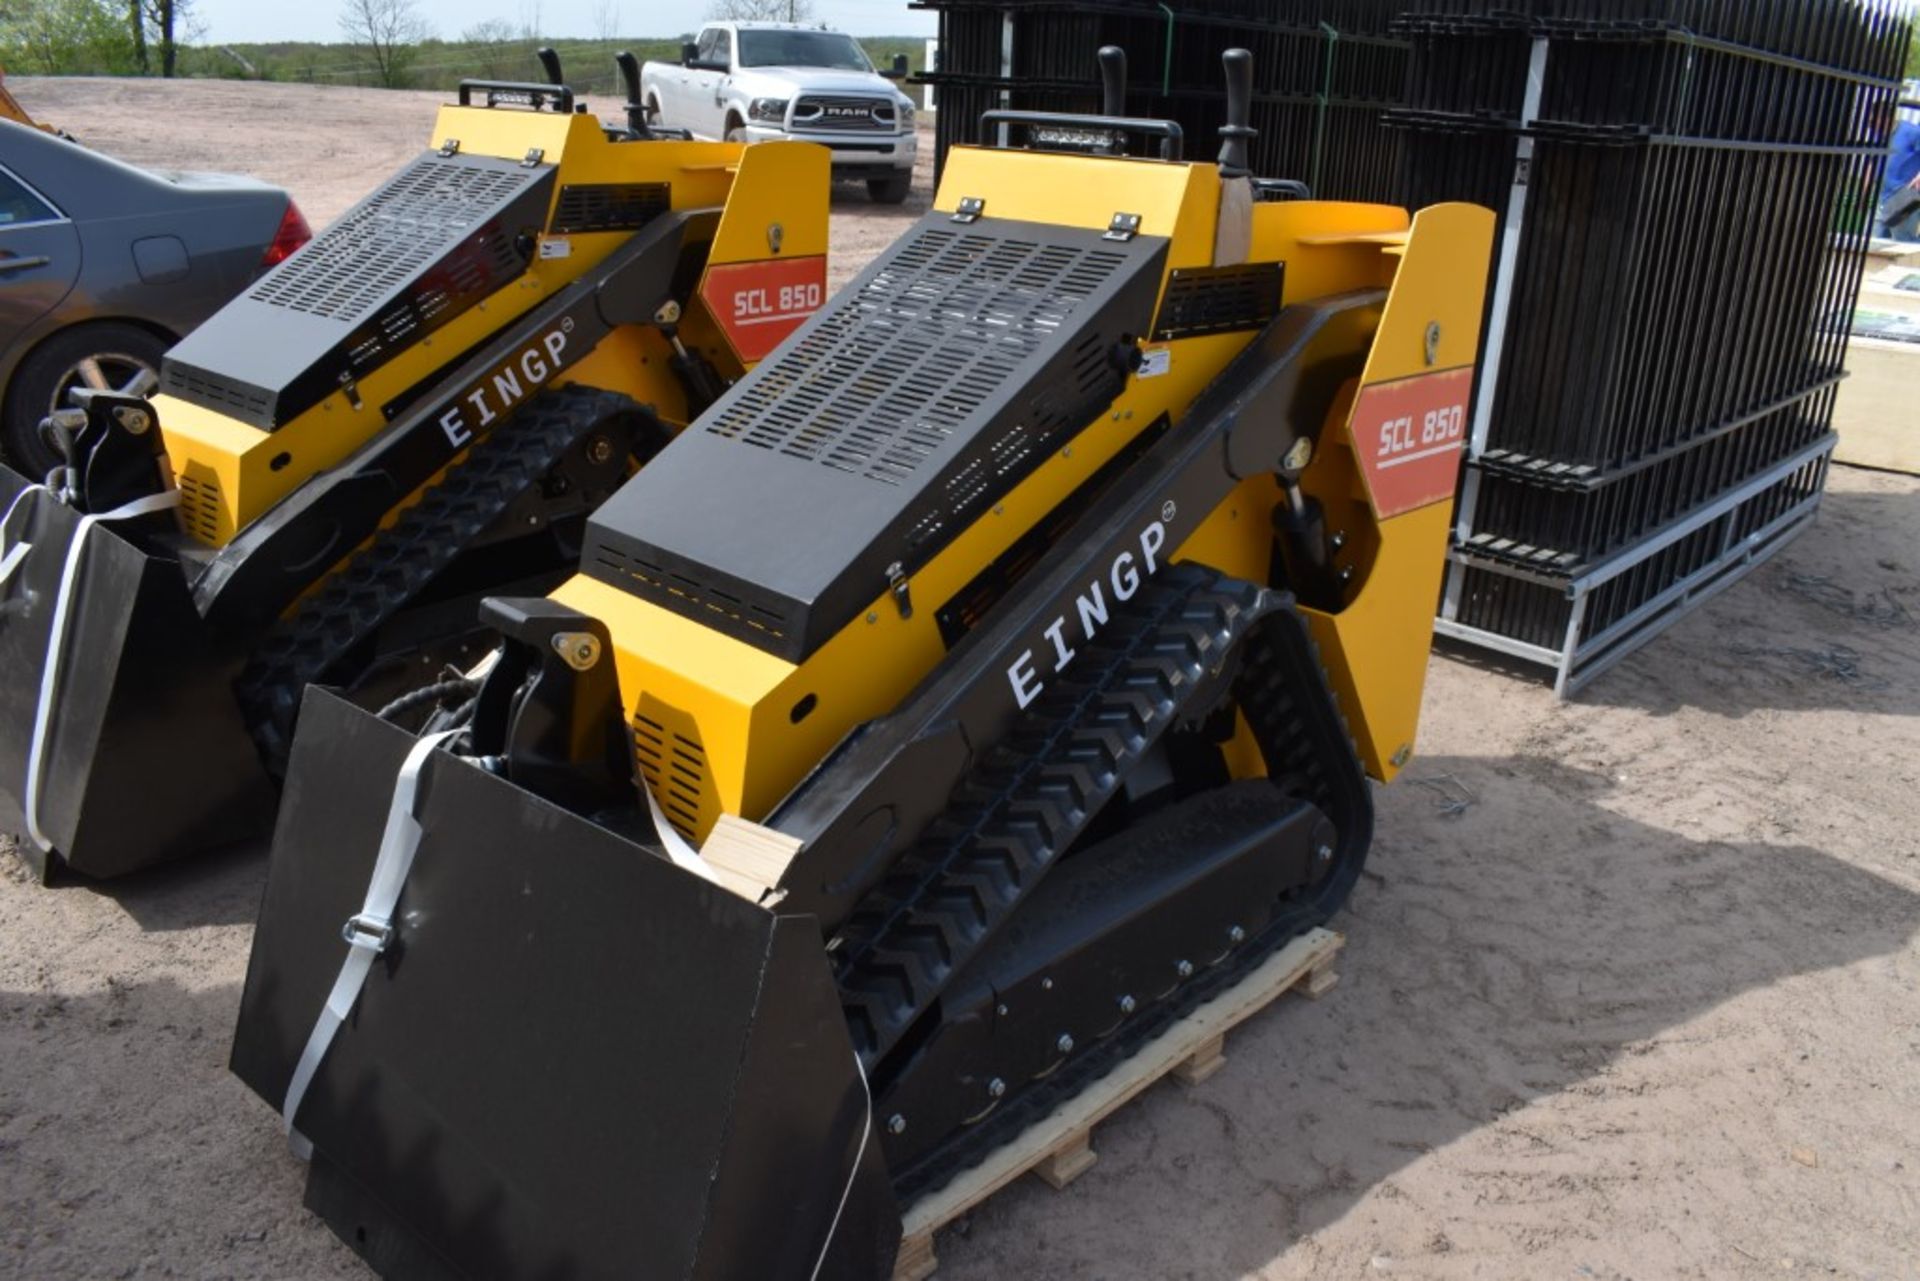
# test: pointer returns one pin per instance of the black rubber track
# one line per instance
(404, 559)
(1281, 688)
(1036, 791)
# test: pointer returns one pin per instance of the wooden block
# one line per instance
(916, 1261)
(1059, 1147)
(1068, 1162)
(749, 858)
(1203, 1062)
(1320, 981)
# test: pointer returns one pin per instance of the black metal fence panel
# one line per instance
(1685, 190)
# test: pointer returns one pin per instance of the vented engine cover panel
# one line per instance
(436, 239)
(919, 395)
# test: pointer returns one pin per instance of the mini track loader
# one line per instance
(988, 677)
(418, 408)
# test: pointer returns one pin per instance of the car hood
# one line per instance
(792, 81)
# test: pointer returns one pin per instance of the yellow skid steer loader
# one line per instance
(417, 409)
(988, 677)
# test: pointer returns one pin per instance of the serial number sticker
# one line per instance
(556, 247)
(1155, 361)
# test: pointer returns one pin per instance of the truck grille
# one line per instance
(870, 114)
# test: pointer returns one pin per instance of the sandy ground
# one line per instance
(331, 146)
(1630, 989)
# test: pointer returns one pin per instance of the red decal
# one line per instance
(759, 303)
(1408, 436)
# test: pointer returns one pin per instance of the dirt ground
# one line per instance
(331, 146)
(1630, 988)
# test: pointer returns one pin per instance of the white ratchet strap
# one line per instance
(367, 933)
(678, 848)
(10, 558)
(12, 554)
(853, 1175)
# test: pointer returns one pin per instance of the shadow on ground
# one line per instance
(126, 1149)
(222, 887)
(1833, 621)
(1489, 966)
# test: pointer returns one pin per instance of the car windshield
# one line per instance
(802, 49)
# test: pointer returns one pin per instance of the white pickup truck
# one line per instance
(752, 81)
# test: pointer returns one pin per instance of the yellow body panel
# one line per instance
(733, 706)
(231, 473)
(1376, 649)
(1321, 243)
(761, 199)
(1175, 200)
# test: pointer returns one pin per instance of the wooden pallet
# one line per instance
(1059, 1149)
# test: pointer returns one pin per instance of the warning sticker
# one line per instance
(760, 303)
(1408, 436)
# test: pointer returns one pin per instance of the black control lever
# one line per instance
(1113, 80)
(629, 68)
(550, 63)
(1235, 162)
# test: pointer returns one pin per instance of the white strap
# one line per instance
(678, 849)
(866, 1132)
(367, 933)
(57, 635)
(12, 555)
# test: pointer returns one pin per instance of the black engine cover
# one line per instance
(918, 396)
(437, 238)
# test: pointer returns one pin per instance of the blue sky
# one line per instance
(261, 20)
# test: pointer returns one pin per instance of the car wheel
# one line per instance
(892, 189)
(106, 357)
(736, 133)
(652, 110)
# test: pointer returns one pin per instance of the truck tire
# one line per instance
(736, 132)
(892, 189)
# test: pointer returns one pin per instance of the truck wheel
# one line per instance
(736, 132)
(892, 189)
(652, 110)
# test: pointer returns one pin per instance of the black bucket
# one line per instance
(573, 1058)
(145, 755)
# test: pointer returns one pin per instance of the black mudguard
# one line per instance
(574, 1060)
(146, 756)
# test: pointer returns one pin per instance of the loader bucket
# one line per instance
(573, 1059)
(144, 755)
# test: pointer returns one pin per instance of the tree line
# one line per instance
(385, 43)
(106, 37)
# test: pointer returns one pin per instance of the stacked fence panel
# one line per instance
(1684, 190)
(1323, 75)
(1684, 187)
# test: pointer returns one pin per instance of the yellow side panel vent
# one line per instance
(200, 506)
(666, 744)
